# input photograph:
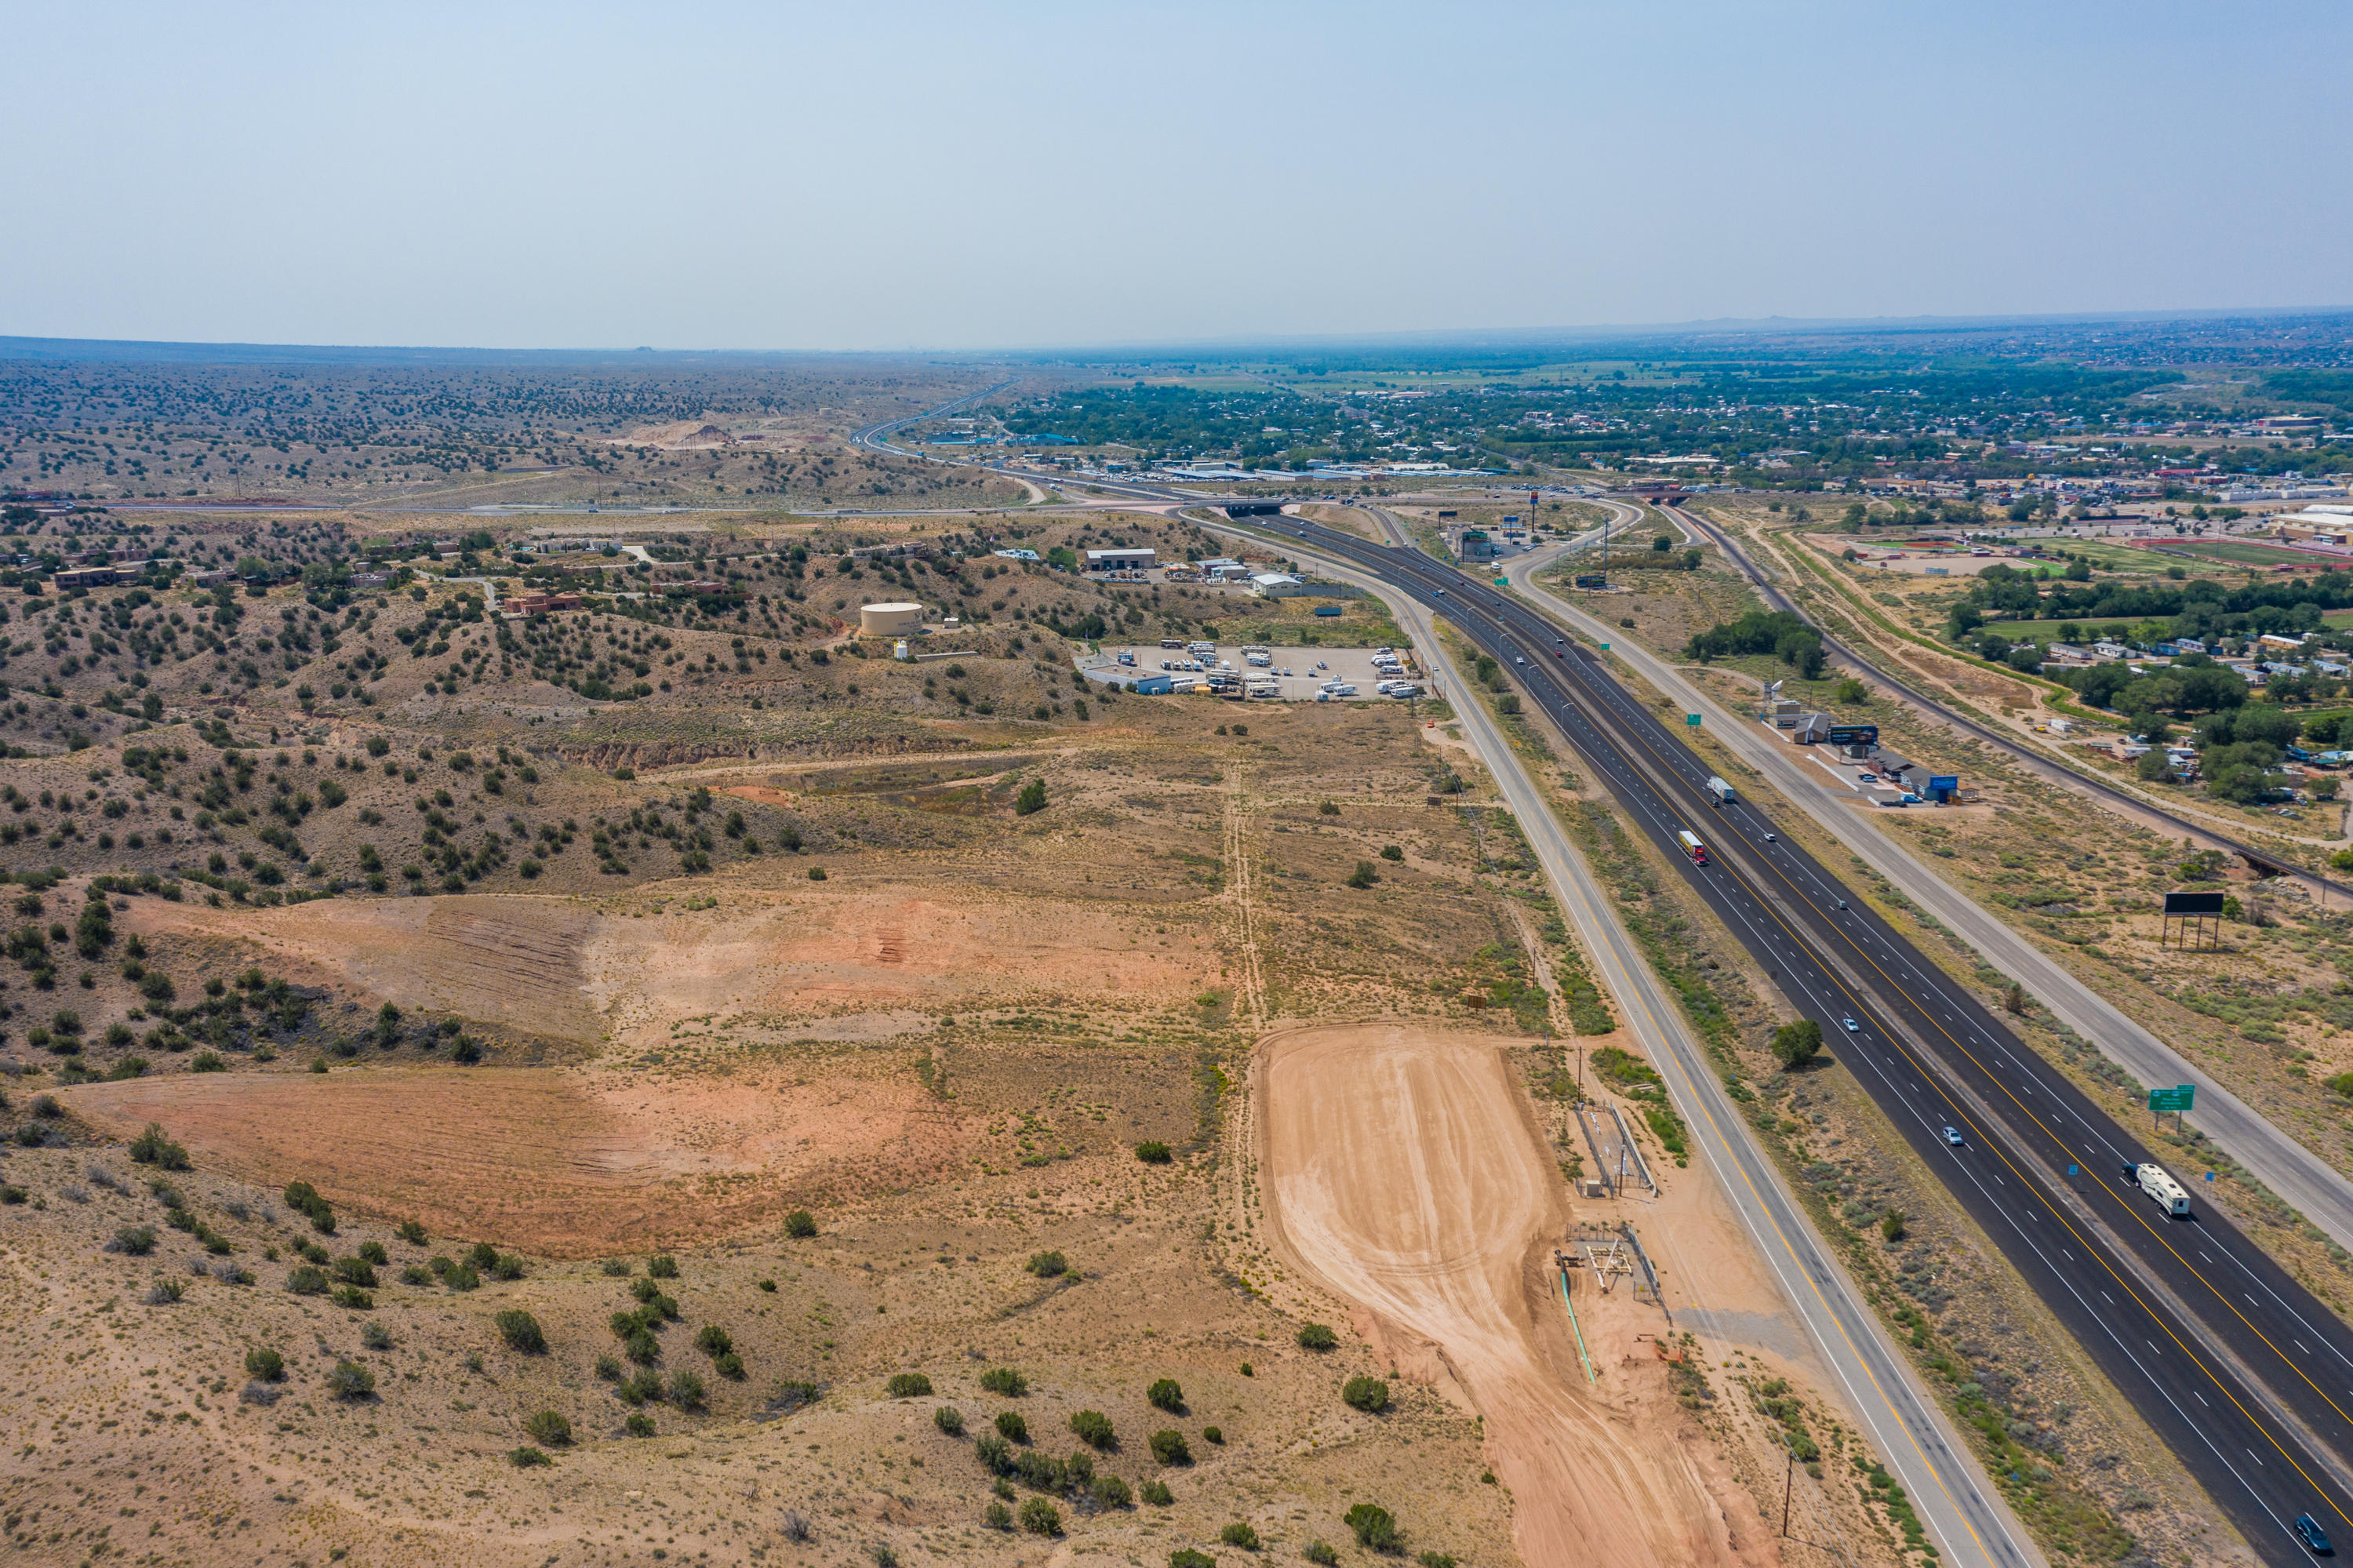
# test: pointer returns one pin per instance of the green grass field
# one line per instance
(2246, 554)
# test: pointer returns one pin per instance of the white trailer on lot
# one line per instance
(2157, 1184)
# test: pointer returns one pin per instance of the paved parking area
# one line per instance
(1309, 667)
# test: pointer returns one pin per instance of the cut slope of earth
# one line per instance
(1401, 1171)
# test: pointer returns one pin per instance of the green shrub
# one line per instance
(1005, 1380)
(1186, 1557)
(712, 1340)
(350, 1381)
(412, 1233)
(373, 1251)
(686, 1390)
(997, 1516)
(728, 1365)
(641, 1387)
(1011, 1427)
(993, 1452)
(305, 1280)
(207, 1062)
(1240, 1533)
(462, 1277)
(304, 1200)
(1169, 1448)
(550, 1428)
(1319, 1552)
(800, 1225)
(1165, 1394)
(352, 1296)
(1153, 1153)
(524, 1459)
(152, 1148)
(265, 1363)
(1369, 1394)
(642, 1348)
(949, 1419)
(1039, 1517)
(1032, 798)
(351, 1271)
(1157, 1493)
(1110, 1491)
(521, 1330)
(1363, 876)
(1049, 1265)
(138, 1241)
(609, 1368)
(1375, 1529)
(639, 1425)
(1094, 1429)
(1214, 1435)
(662, 1267)
(910, 1385)
(617, 1267)
(1316, 1337)
(1435, 1560)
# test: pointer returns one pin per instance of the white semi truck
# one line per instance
(1720, 790)
(2162, 1187)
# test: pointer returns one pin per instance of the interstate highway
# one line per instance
(1931, 1056)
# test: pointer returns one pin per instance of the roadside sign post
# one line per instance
(2176, 1099)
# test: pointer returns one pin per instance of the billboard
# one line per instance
(1855, 735)
(1592, 580)
(2193, 902)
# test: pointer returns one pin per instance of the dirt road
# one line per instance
(1402, 1171)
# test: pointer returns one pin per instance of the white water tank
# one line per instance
(890, 620)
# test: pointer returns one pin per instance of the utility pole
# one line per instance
(1789, 1480)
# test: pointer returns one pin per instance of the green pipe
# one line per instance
(1575, 1329)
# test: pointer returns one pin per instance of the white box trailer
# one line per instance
(1720, 790)
(2157, 1184)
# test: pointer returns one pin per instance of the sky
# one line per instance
(885, 176)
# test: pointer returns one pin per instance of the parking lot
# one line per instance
(1354, 665)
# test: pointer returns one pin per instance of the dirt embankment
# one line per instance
(1401, 1171)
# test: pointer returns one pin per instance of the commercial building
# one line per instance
(1270, 585)
(1121, 560)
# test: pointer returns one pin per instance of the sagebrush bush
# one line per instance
(526, 1458)
(949, 1419)
(1369, 1394)
(662, 1267)
(1165, 1394)
(1157, 1493)
(1316, 1337)
(639, 1425)
(1186, 1557)
(163, 1293)
(1169, 1447)
(800, 1225)
(993, 1452)
(712, 1340)
(1049, 1265)
(1375, 1529)
(910, 1385)
(265, 1363)
(376, 1337)
(549, 1427)
(1005, 1380)
(1094, 1429)
(306, 1281)
(138, 1241)
(521, 1330)
(728, 1365)
(609, 1368)
(686, 1390)
(1110, 1491)
(1320, 1553)
(350, 1381)
(353, 1297)
(1039, 1517)
(1240, 1533)
(1153, 1153)
(373, 1251)
(1011, 1427)
(997, 1516)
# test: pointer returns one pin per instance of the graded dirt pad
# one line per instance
(559, 1163)
(1400, 1168)
(504, 960)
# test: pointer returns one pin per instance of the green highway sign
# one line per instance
(1692, 719)
(1503, 582)
(1603, 646)
(2180, 1097)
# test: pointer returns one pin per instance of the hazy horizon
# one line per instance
(1044, 178)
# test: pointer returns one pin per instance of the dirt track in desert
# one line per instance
(1400, 1170)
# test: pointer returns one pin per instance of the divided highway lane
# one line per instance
(1931, 1056)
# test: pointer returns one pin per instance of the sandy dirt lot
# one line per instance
(1401, 1171)
(563, 1164)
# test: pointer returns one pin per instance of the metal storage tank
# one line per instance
(890, 620)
